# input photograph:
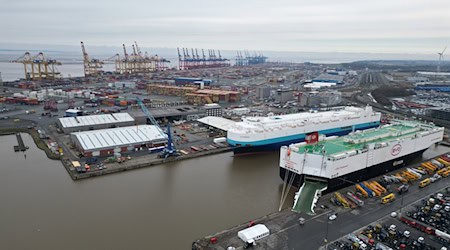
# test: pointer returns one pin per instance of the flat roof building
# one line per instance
(213, 109)
(93, 122)
(106, 142)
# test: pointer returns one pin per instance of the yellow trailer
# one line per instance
(374, 189)
(379, 186)
(361, 190)
(341, 199)
(443, 162)
(442, 171)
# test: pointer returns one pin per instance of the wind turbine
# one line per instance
(441, 57)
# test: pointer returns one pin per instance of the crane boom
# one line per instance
(169, 150)
(150, 116)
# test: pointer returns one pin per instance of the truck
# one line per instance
(220, 140)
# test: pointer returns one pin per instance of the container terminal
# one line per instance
(146, 113)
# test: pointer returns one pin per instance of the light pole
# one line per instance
(326, 232)
(401, 205)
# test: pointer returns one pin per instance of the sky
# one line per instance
(381, 26)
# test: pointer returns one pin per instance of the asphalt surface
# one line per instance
(300, 237)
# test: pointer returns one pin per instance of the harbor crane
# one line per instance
(170, 149)
(92, 67)
(39, 67)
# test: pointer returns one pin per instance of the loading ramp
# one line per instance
(307, 196)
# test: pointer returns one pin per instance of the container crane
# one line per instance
(39, 67)
(169, 150)
(92, 67)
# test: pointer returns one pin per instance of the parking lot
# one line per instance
(422, 225)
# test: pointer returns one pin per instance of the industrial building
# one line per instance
(439, 113)
(329, 78)
(434, 87)
(319, 99)
(263, 92)
(106, 142)
(73, 113)
(213, 109)
(183, 112)
(193, 81)
(284, 95)
(92, 122)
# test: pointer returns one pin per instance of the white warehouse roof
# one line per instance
(89, 120)
(217, 122)
(255, 232)
(118, 137)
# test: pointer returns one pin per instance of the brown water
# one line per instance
(161, 207)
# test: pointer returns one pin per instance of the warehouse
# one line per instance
(92, 122)
(106, 142)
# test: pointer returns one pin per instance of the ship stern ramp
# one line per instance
(307, 196)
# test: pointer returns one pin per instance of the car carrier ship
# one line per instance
(259, 134)
(331, 163)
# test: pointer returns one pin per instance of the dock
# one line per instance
(140, 162)
(21, 146)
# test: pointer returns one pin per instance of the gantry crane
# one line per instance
(39, 67)
(169, 150)
(92, 67)
(138, 62)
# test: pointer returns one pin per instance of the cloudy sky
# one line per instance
(386, 26)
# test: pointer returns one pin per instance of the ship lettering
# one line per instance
(341, 167)
(396, 149)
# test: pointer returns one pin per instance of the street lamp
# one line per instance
(326, 232)
(401, 205)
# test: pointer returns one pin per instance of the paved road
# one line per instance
(312, 234)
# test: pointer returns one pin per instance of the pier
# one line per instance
(141, 162)
(21, 146)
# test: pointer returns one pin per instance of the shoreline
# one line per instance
(136, 163)
(34, 134)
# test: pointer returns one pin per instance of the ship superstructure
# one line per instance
(255, 134)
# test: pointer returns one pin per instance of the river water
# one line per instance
(160, 207)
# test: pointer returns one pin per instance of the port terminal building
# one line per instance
(107, 142)
(93, 122)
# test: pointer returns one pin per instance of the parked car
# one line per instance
(91, 160)
(332, 217)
